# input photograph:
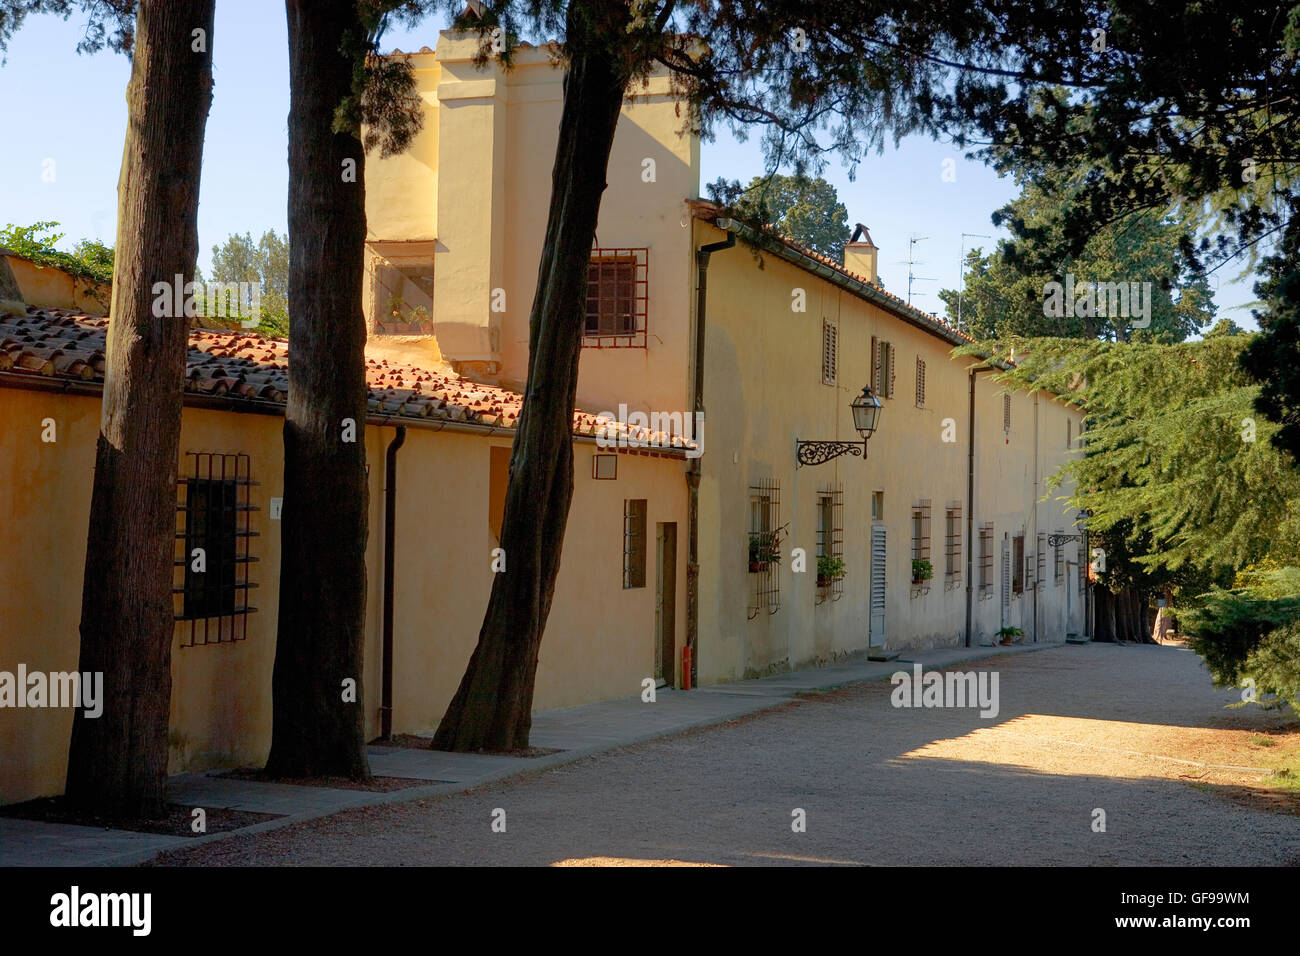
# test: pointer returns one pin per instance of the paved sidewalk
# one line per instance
(576, 732)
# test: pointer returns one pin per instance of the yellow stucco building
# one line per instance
(763, 342)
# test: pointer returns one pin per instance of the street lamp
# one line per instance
(866, 416)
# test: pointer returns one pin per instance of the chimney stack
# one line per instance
(860, 257)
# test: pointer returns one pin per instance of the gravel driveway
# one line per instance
(1138, 732)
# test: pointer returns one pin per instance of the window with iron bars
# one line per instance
(214, 530)
(920, 382)
(1018, 564)
(1059, 570)
(617, 298)
(952, 545)
(764, 541)
(920, 545)
(634, 542)
(830, 539)
(1041, 561)
(986, 559)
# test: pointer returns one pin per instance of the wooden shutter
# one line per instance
(830, 352)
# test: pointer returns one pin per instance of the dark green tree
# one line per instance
(805, 208)
(1187, 106)
(1006, 293)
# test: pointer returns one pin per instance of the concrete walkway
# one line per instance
(577, 732)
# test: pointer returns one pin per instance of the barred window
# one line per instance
(617, 298)
(764, 542)
(920, 382)
(634, 542)
(986, 558)
(215, 514)
(1040, 555)
(952, 543)
(920, 545)
(1059, 570)
(830, 539)
(1018, 564)
(1006, 414)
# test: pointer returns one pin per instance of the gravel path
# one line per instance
(1138, 732)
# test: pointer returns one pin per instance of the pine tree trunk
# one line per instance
(318, 715)
(492, 708)
(117, 762)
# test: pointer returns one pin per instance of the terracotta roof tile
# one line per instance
(64, 344)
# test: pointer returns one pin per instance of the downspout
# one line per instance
(970, 502)
(390, 536)
(1038, 585)
(693, 469)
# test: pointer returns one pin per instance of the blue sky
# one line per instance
(67, 114)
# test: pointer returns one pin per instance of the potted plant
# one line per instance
(922, 570)
(829, 569)
(762, 550)
(1008, 634)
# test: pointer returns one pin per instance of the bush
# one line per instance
(1226, 627)
(91, 259)
(1275, 667)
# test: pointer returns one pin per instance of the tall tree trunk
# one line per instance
(1103, 615)
(492, 708)
(117, 762)
(318, 716)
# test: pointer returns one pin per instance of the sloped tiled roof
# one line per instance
(710, 212)
(242, 365)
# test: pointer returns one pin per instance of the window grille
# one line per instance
(1018, 564)
(920, 542)
(617, 298)
(986, 559)
(764, 546)
(1006, 414)
(952, 545)
(213, 534)
(634, 542)
(830, 538)
(1040, 555)
(1059, 571)
(920, 382)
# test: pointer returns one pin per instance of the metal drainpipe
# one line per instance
(970, 502)
(693, 469)
(1037, 584)
(390, 536)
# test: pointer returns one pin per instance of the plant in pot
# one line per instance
(762, 550)
(922, 570)
(829, 569)
(1009, 634)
